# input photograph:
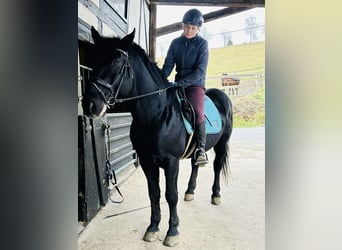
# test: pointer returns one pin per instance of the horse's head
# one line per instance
(111, 76)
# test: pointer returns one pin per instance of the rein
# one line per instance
(112, 100)
(141, 96)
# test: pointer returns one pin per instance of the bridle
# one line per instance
(124, 71)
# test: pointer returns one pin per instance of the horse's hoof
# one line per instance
(189, 197)
(151, 236)
(171, 241)
(216, 200)
(201, 165)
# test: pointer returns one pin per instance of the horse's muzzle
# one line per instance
(94, 108)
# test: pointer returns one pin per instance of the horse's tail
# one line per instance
(226, 166)
(222, 158)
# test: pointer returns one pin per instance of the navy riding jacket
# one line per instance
(191, 59)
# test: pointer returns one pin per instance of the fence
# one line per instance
(238, 84)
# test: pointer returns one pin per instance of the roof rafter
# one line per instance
(227, 3)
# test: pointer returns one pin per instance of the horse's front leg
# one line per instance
(189, 193)
(171, 177)
(152, 175)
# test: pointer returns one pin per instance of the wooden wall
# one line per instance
(115, 18)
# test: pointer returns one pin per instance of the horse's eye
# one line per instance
(115, 63)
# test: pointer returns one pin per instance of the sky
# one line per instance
(170, 14)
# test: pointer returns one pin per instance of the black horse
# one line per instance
(123, 73)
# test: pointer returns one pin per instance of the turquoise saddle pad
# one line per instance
(213, 123)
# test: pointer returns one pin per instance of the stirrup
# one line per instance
(201, 159)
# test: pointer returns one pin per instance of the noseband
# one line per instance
(125, 70)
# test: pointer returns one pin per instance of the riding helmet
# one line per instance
(193, 17)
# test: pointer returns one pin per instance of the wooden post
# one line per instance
(153, 28)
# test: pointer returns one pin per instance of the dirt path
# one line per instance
(238, 223)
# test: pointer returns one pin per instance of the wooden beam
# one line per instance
(207, 18)
(228, 3)
(222, 13)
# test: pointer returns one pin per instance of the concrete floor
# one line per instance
(237, 224)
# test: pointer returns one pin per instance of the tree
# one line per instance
(251, 28)
(227, 39)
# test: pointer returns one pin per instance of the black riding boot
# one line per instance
(200, 156)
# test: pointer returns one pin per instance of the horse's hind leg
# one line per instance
(152, 176)
(220, 163)
(189, 193)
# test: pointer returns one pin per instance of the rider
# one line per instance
(189, 53)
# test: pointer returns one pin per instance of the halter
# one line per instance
(125, 69)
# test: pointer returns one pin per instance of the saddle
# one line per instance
(213, 122)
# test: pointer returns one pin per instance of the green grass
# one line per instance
(249, 110)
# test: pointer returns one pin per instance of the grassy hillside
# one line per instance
(239, 59)
(248, 58)
(249, 110)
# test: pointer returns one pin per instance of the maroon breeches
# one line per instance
(196, 96)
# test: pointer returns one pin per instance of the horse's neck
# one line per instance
(149, 109)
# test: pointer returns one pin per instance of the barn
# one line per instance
(105, 142)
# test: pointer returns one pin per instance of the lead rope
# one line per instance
(109, 171)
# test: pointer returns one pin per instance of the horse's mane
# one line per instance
(152, 67)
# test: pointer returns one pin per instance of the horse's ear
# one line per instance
(96, 36)
(127, 41)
